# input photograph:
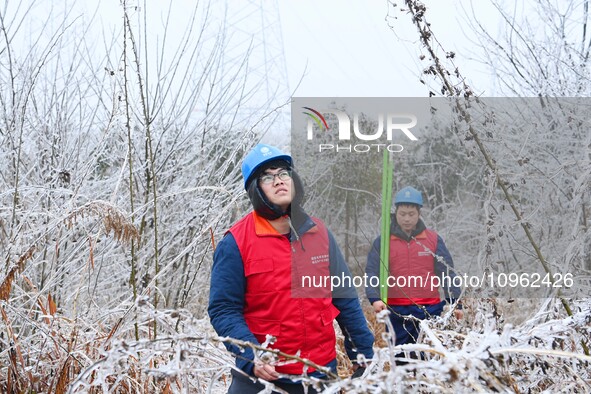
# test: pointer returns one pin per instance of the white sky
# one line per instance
(345, 48)
(333, 47)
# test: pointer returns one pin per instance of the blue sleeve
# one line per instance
(351, 320)
(372, 271)
(226, 301)
(446, 268)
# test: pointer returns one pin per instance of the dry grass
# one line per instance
(113, 219)
(18, 267)
(459, 357)
(43, 355)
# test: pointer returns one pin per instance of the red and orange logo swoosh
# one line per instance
(317, 117)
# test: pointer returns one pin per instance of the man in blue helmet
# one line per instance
(252, 295)
(419, 260)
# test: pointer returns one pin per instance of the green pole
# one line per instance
(387, 173)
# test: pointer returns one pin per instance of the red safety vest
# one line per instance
(412, 265)
(304, 325)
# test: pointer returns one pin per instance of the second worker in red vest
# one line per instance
(419, 260)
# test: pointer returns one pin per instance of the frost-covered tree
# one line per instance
(120, 141)
(543, 50)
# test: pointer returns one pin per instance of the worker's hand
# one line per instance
(459, 313)
(379, 306)
(265, 371)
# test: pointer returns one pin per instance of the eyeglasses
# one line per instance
(267, 179)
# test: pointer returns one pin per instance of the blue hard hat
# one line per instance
(409, 195)
(259, 155)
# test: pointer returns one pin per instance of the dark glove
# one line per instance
(358, 372)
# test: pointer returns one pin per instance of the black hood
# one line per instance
(270, 211)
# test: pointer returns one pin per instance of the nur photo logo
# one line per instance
(392, 125)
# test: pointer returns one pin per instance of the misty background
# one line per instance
(122, 130)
